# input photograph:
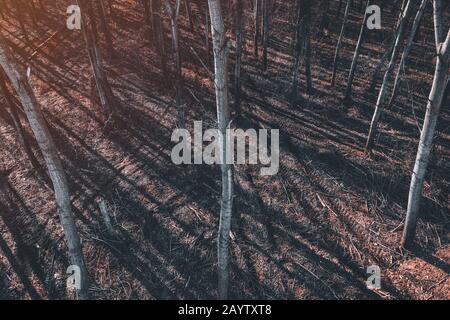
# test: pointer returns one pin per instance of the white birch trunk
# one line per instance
(221, 50)
(52, 160)
(441, 78)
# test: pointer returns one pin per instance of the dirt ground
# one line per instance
(309, 232)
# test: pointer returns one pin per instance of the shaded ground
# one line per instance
(309, 232)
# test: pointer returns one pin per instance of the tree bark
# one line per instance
(387, 78)
(159, 35)
(105, 93)
(266, 25)
(52, 160)
(406, 51)
(339, 44)
(257, 27)
(174, 14)
(441, 78)
(221, 50)
(11, 110)
(239, 30)
(351, 75)
(105, 28)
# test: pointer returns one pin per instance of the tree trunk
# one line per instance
(11, 110)
(257, 27)
(52, 160)
(402, 65)
(306, 36)
(239, 29)
(105, 93)
(339, 44)
(207, 39)
(221, 50)
(351, 75)
(187, 6)
(324, 20)
(266, 25)
(105, 28)
(159, 35)
(388, 51)
(174, 13)
(441, 78)
(386, 80)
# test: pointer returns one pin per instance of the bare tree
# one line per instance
(390, 47)
(408, 47)
(266, 25)
(441, 78)
(239, 32)
(221, 51)
(257, 15)
(339, 44)
(302, 47)
(187, 6)
(90, 34)
(160, 42)
(105, 28)
(11, 109)
(52, 160)
(174, 13)
(387, 78)
(351, 75)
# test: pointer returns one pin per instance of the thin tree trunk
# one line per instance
(207, 39)
(52, 160)
(159, 35)
(441, 78)
(105, 93)
(239, 29)
(174, 13)
(302, 47)
(187, 6)
(11, 110)
(306, 36)
(266, 25)
(105, 28)
(387, 78)
(388, 51)
(339, 44)
(351, 75)
(221, 50)
(257, 27)
(324, 21)
(402, 65)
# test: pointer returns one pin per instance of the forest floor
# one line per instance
(309, 232)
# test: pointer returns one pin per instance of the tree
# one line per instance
(266, 25)
(302, 47)
(408, 47)
(89, 29)
(52, 160)
(441, 78)
(387, 78)
(221, 48)
(160, 43)
(174, 13)
(351, 74)
(12, 112)
(105, 27)
(239, 31)
(257, 27)
(324, 20)
(388, 51)
(339, 44)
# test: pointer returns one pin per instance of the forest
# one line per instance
(224, 149)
